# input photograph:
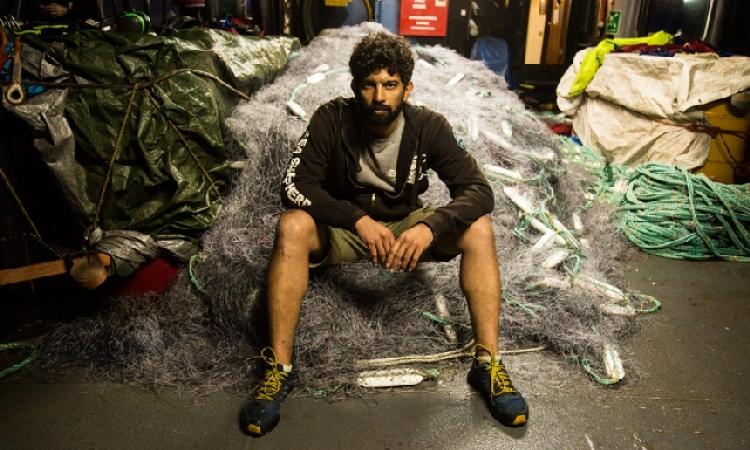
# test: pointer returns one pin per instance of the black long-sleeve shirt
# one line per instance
(320, 176)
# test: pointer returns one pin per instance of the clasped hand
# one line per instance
(394, 254)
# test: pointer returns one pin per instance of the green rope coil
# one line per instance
(669, 212)
(24, 362)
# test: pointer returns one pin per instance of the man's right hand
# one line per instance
(378, 238)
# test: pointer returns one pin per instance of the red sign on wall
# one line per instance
(423, 17)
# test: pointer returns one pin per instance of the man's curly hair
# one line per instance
(378, 51)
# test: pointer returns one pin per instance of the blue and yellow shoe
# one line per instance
(262, 412)
(506, 404)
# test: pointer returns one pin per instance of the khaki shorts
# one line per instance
(345, 246)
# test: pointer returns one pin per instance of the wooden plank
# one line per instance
(535, 31)
(44, 269)
(557, 32)
(31, 272)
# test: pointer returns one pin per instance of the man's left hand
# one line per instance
(404, 254)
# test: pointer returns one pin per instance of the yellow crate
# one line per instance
(727, 150)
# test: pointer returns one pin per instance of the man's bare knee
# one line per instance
(480, 233)
(295, 227)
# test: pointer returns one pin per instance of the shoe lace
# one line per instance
(271, 383)
(499, 380)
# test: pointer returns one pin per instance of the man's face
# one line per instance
(382, 96)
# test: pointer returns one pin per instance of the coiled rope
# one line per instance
(669, 212)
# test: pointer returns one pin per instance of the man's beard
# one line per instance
(381, 120)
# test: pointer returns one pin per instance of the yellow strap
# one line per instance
(595, 57)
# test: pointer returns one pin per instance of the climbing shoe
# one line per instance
(261, 412)
(506, 404)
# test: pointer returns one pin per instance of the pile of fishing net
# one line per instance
(558, 259)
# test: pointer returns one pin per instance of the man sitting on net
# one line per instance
(352, 186)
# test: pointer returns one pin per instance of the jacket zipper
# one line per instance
(403, 187)
(372, 207)
(417, 175)
(417, 169)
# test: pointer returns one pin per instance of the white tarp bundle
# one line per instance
(627, 108)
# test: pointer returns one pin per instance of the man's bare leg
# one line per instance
(480, 281)
(297, 238)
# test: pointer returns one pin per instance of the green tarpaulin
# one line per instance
(170, 162)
